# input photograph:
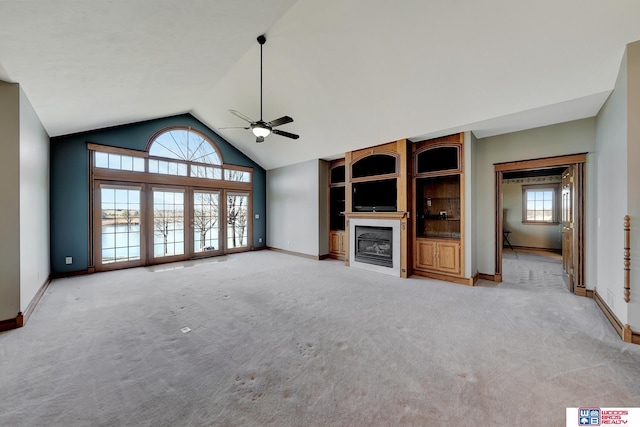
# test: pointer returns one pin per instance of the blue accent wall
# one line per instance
(70, 183)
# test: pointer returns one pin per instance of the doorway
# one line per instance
(572, 196)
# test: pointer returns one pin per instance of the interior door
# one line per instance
(568, 178)
(168, 236)
(205, 223)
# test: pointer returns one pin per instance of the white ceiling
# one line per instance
(352, 73)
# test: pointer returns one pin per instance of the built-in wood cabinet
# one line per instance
(337, 208)
(438, 255)
(438, 207)
(336, 244)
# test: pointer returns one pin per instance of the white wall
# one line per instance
(618, 156)
(633, 179)
(293, 208)
(10, 198)
(556, 140)
(546, 236)
(34, 203)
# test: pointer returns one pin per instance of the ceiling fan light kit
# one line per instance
(260, 128)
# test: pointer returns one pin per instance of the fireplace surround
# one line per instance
(392, 222)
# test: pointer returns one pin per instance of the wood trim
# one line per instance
(499, 218)
(475, 278)
(377, 215)
(469, 281)
(14, 323)
(627, 258)
(36, 299)
(531, 248)
(576, 160)
(116, 150)
(298, 254)
(542, 163)
(584, 292)
(151, 178)
(456, 137)
(626, 333)
(484, 276)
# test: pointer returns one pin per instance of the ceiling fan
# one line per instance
(260, 128)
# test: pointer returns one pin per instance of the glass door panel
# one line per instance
(237, 220)
(206, 223)
(120, 222)
(168, 223)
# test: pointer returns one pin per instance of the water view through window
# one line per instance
(120, 224)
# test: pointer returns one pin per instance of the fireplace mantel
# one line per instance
(377, 215)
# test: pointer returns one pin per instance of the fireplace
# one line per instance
(374, 245)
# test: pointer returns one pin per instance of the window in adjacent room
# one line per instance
(540, 204)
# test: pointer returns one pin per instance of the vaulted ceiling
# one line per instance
(352, 73)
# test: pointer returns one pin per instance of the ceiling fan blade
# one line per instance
(281, 121)
(240, 115)
(235, 127)
(286, 134)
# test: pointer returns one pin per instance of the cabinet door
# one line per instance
(336, 242)
(425, 254)
(449, 257)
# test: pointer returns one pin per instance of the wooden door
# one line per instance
(425, 254)
(568, 178)
(448, 257)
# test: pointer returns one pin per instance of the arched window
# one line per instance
(175, 200)
(187, 153)
(184, 144)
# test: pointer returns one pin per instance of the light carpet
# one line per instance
(279, 340)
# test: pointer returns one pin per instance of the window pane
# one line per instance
(138, 164)
(153, 166)
(114, 161)
(127, 163)
(548, 195)
(102, 160)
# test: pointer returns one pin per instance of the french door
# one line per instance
(143, 224)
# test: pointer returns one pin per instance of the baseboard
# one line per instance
(8, 324)
(69, 274)
(459, 280)
(531, 248)
(300, 254)
(475, 278)
(484, 276)
(36, 299)
(625, 331)
(583, 292)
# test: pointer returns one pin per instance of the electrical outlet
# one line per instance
(260, 240)
(68, 260)
(257, 216)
